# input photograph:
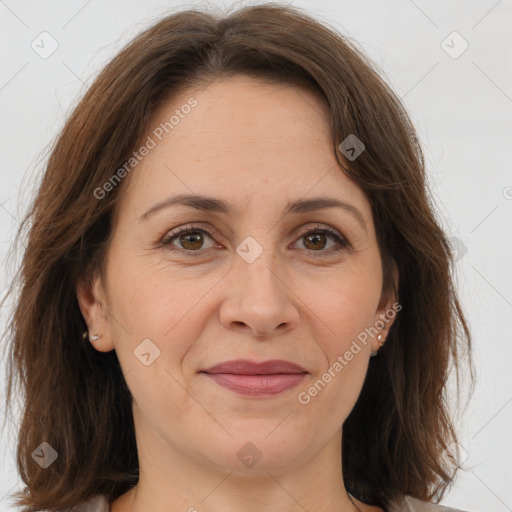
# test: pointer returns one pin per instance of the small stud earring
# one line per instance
(381, 342)
(94, 337)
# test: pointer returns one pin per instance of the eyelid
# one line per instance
(198, 226)
(306, 229)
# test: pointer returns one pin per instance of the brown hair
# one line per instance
(76, 399)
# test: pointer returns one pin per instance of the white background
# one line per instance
(462, 108)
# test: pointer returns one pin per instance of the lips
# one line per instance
(256, 379)
(247, 367)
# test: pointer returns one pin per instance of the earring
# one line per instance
(94, 337)
(381, 342)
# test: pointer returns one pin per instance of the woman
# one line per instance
(233, 276)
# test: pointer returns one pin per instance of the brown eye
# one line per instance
(191, 241)
(315, 241)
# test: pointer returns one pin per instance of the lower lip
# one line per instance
(256, 385)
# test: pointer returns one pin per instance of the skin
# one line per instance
(255, 146)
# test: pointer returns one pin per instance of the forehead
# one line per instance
(244, 141)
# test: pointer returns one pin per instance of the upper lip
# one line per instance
(248, 367)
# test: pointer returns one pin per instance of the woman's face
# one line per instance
(246, 282)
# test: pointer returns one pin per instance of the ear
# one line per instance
(91, 298)
(387, 311)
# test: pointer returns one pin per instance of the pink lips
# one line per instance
(250, 378)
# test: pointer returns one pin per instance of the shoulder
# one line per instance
(410, 504)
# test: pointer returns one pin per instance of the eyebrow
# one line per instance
(215, 205)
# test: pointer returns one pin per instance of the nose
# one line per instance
(258, 299)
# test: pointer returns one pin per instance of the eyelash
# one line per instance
(339, 239)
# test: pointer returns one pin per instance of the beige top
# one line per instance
(407, 504)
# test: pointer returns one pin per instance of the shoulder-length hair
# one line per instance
(75, 398)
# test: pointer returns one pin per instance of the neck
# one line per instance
(172, 480)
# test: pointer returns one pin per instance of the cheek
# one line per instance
(151, 303)
(346, 306)
(149, 295)
(344, 313)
